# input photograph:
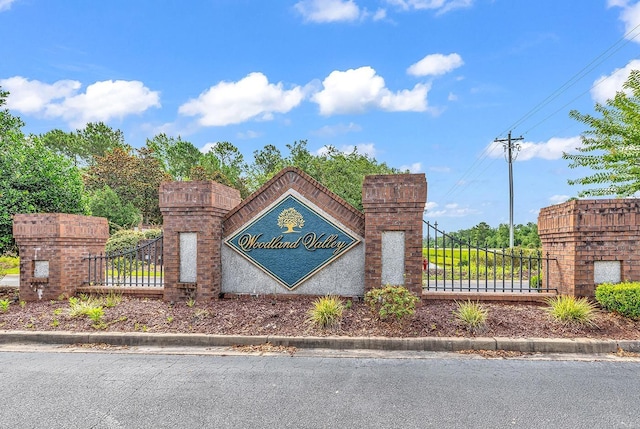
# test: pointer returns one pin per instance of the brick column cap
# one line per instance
(59, 226)
(402, 191)
(197, 195)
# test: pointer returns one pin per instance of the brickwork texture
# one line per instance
(63, 240)
(195, 207)
(394, 203)
(578, 233)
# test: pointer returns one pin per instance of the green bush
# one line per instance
(571, 310)
(471, 314)
(326, 311)
(391, 301)
(623, 298)
(128, 239)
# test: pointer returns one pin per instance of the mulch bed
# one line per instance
(288, 317)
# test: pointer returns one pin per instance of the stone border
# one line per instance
(433, 344)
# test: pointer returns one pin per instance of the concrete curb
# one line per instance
(434, 344)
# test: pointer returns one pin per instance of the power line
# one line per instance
(576, 77)
(615, 47)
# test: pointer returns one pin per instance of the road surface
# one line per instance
(113, 390)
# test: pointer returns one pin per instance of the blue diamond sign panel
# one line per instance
(291, 241)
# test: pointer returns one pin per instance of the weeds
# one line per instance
(326, 312)
(571, 310)
(112, 299)
(4, 305)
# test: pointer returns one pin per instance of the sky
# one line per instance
(422, 85)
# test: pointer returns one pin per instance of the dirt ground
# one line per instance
(269, 316)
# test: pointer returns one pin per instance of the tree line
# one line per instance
(483, 235)
(94, 171)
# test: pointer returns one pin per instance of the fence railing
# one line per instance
(453, 265)
(141, 266)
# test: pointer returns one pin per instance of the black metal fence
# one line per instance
(455, 266)
(138, 267)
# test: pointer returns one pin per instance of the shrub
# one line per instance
(326, 311)
(471, 314)
(391, 301)
(623, 298)
(128, 239)
(571, 310)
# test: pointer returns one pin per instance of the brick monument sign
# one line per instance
(291, 236)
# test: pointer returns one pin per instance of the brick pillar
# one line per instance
(52, 247)
(193, 212)
(586, 234)
(393, 207)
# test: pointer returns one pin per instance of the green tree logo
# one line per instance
(290, 218)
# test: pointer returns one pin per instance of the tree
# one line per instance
(33, 179)
(177, 156)
(224, 164)
(84, 145)
(611, 146)
(266, 163)
(343, 173)
(134, 176)
(106, 203)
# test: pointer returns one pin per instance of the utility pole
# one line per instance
(509, 149)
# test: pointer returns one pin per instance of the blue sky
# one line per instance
(420, 84)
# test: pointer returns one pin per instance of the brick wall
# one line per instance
(394, 203)
(61, 239)
(197, 207)
(581, 232)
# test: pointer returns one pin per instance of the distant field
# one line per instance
(473, 263)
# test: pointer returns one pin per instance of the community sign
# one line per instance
(291, 241)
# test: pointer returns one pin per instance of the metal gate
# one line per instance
(141, 266)
(452, 265)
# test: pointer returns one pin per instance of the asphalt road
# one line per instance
(111, 390)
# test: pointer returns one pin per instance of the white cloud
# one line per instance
(416, 167)
(105, 100)
(557, 199)
(380, 15)
(440, 6)
(442, 169)
(322, 11)
(101, 101)
(449, 210)
(605, 87)
(208, 147)
(252, 97)
(551, 149)
(334, 130)
(247, 135)
(358, 90)
(435, 65)
(452, 97)
(5, 5)
(630, 15)
(362, 148)
(32, 96)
